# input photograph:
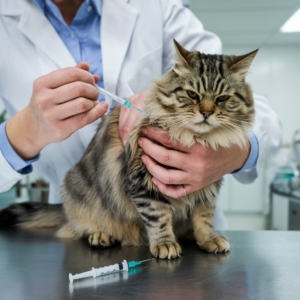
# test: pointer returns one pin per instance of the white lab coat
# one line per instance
(136, 41)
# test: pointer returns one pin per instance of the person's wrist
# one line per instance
(241, 157)
(22, 136)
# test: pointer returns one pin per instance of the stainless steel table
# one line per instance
(261, 265)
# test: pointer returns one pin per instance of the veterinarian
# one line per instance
(52, 104)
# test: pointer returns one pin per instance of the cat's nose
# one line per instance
(206, 113)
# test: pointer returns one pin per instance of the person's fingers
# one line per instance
(129, 117)
(167, 157)
(63, 76)
(96, 78)
(88, 117)
(174, 191)
(72, 108)
(83, 65)
(167, 176)
(163, 138)
(129, 126)
(123, 130)
(74, 90)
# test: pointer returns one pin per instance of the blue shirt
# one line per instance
(82, 38)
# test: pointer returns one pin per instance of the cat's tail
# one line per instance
(32, 214)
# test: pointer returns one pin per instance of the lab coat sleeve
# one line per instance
(181, 24)
(267, 128)
(8, 176)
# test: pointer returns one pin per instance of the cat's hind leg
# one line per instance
(101, 240)
(204, 231)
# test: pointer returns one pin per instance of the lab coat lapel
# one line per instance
(117, 23)
(36, 27)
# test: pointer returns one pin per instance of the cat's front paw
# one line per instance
(166, 250)
(101, 240)
(216, 244)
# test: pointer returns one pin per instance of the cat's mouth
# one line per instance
(203, 122)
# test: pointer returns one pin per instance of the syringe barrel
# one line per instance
(110, 95)
(122, 266)
(112, 268)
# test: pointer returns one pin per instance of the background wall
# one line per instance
(1, 106)
(244, 26)
(275, 73)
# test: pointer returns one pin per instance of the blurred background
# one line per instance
(244, 26)
(273, 201)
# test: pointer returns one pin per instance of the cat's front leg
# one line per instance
(204, 231)
(157, 218)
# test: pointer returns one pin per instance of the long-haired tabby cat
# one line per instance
(109, 196)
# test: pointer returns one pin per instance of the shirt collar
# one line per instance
(96, 3)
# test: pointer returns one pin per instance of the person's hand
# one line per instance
(129, 117)
(192, 168)
(61, 103)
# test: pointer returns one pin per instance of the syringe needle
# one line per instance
(141, 111)
(146, 260)
(126, 103)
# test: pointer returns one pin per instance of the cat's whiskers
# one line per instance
(179, 123)
(231, 127)
(176, 115)
(170, 120)
(226, 121)
(180, 119)
(167, 118)
(164, 113)
(183, 124)
(237, 126)
(231, 124)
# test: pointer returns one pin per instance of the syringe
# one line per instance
(126, 103)
(122, 266)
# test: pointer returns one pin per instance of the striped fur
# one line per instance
(109, 196)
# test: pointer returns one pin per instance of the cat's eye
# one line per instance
(192, 95)
(222, 98)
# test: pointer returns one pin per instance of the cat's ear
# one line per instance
(184, 55)
(240, 65)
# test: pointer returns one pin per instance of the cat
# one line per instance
(109, 196)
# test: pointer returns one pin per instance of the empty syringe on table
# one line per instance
(96, 272)
(126, 103)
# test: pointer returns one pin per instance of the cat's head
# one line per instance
(204, 96)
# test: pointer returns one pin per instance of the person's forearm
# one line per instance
(21, 135)
(61, 103)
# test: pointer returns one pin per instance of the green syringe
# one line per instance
(96, 272)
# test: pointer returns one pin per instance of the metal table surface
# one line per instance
(260, 265)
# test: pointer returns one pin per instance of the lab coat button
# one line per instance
(90, 7)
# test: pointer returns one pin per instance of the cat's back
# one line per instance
(100, 164)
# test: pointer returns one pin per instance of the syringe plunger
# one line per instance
(101, 271)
